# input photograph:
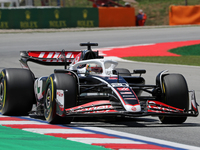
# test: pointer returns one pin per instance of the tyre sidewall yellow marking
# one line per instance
(52, 95)
(4, 88)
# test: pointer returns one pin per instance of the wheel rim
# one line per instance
(1, 94)
(48, 99)
(48, 103)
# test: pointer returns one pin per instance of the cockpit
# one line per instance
(94, 67)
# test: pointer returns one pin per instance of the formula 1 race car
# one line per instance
(91, 86)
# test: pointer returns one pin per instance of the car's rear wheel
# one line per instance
(59, 81)
(175, 92)
(16, 91)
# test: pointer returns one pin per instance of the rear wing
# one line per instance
(50, 58)
(58, 58)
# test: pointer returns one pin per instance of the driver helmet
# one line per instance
(93, 69)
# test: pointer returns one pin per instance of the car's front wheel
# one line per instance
(59, 81)
(175, 92)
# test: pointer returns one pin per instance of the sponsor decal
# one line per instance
(56, 56)
(28, 23)
(57, 23)
(60, 94)
(94, 109)
(60, 97)
(85, 13)
(3, 24)
(125, 92)
(101, 107)
(28, 15)
(112, 78)
(161, 105)
(156, 111)
(119, 85)
(85, 22)
(77, 59)
(128, 95)
(123, 89)
(56, 13)
(133, 108)
(130, 99)
(158, 108)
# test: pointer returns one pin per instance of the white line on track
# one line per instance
(104, 140)
(19, 122)
(44, 131)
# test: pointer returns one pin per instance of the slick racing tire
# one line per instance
(16, 91)
(59, 81)
(123, 71)
(176, 94)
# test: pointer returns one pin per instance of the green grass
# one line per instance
(187, 50)
(190, 56)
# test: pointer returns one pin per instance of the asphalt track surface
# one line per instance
(187, 133)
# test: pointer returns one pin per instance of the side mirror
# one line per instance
(140, 71)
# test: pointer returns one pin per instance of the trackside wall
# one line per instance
(116, 17)
(48, 18)
(184, 15)
(33, 18)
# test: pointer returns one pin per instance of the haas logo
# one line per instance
(123, 89)
(60, 94)
(133, 108)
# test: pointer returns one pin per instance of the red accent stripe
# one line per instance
(43, 126)
(163, 104)
(11, 119)
(131, 146)
(195, 109)
(45, 55)
(74, 135)
(90, 104)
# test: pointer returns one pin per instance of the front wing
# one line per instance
(151, 108)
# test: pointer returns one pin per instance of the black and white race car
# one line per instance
(91, 86)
